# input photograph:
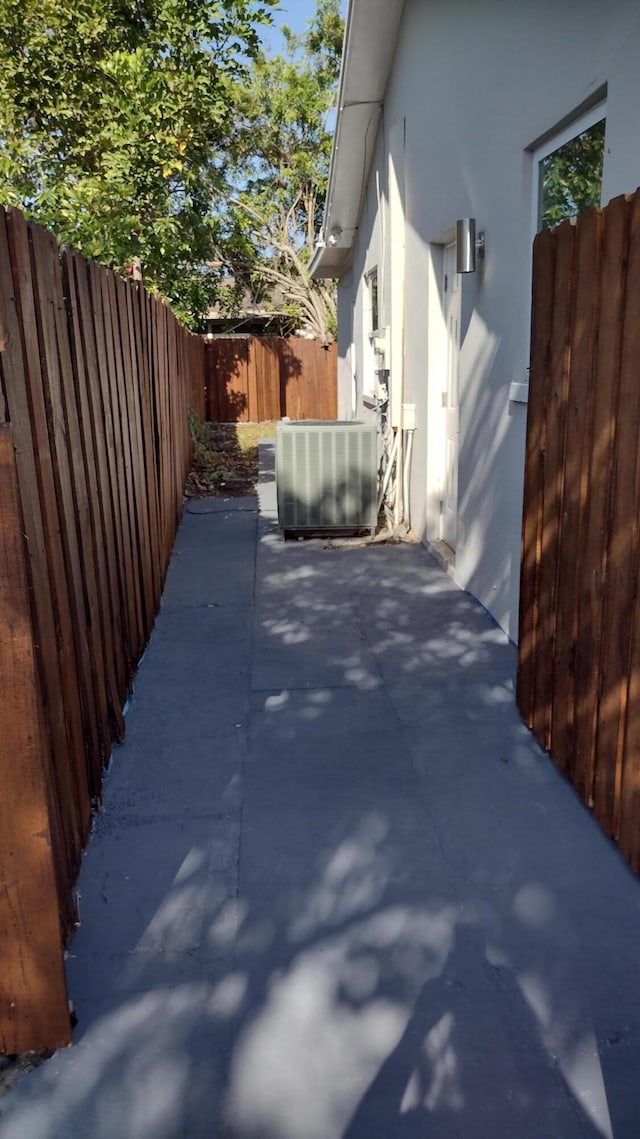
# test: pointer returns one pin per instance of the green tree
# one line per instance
(571, 177)
(112, 116)
(278, 170)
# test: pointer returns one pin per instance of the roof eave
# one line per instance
(369, 47)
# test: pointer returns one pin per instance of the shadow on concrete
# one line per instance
(337, 891)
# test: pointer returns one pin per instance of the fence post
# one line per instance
(34, 1011)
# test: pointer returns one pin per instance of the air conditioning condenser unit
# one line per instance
(326, 476)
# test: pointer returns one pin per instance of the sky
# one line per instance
(295, 14)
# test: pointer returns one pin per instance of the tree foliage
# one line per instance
(112, 116)
(571, 177)
(278, 170)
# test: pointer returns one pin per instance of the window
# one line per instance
(568, 171)
(372, 281)
(371, 327)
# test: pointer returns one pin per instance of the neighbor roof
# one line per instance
(369, 48)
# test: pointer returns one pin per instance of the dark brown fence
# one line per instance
(579, 655)
(260, 378)
(96, 378)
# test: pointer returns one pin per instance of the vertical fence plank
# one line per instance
(65, 455)
(575, 463)
(33, 996)
(122, 471)
(28, 410)
(88, 605)
(553, 479)
(622, 552)
(266, 404)
(104, 411)
(127, 434)
(91, 520)
(147, 440)
(164, 426)
(542, 299)
(614, 237)
(255, 367)
(626, 781)
(65, 823)
(141, 493)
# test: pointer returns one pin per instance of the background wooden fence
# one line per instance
(96, 377)
(260, 378)
(579, 654)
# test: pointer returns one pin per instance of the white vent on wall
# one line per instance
(326, 475)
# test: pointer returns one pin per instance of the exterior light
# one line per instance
(468, 247)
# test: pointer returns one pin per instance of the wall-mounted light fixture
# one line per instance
(469, 248)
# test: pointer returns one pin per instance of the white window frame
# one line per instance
(369, 382)
(519, 391)
(554, 142)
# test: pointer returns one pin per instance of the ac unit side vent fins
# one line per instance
(326, 476)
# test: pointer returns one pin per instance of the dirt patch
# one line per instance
(225, 458)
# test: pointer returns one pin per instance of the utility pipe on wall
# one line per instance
(388, 472)
(408, 427)
(398, 511)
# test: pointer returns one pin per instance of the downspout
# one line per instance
(398, 511)
(408, 427)
(396, 175)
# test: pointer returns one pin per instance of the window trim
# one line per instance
(553, 142)
(369, 370)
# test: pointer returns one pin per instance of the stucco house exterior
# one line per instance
(452, 110)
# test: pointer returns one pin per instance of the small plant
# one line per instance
(225, 457)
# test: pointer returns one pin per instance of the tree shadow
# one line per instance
(384, 913)
(226, 363)
(264, 378)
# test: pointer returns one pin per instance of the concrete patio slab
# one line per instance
(337, 891)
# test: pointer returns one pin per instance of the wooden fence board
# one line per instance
(114, 501)
(141, 494)
(269, 392)
(45, 270)
(104, 615)
(64, 822)
(616, 791)
(62, 695)
(543, 283)
(553, 479)
(33, 995)
(87, 605)
(96, 378)
(121, 459)
(593, 552)
(575, 464)
(622, 553)
(120, 339)
(147, 440)
(581, 592)
(165, 450)
(259, 379)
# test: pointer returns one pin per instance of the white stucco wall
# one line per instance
(368, 255)
(478, 82)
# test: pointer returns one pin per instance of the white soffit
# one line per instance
(369, 48)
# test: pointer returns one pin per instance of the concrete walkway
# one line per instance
(337, 891)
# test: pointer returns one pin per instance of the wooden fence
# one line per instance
(579, 654)
(96, 377)
(261, 378)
